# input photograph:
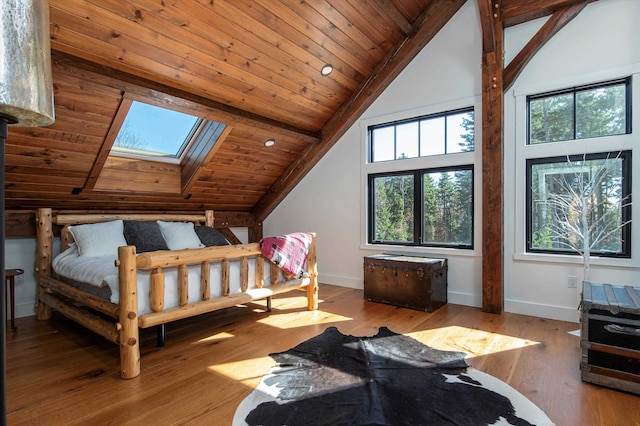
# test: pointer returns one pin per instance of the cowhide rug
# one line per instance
(386, 379)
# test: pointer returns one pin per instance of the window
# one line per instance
(153, 131)
(582, 199)
(426, 206)
(437, 134)
(579, 113)
(441, 199)
(580, 193)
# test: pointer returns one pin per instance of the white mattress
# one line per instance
(101, 271)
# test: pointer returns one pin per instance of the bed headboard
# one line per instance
(67, 219)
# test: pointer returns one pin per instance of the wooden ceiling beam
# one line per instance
(387, 8)
(430, 22)
(558, 20)
(492, 158)
(514, 12)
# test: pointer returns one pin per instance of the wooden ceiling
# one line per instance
(251, 64)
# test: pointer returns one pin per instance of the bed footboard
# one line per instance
(124, 330)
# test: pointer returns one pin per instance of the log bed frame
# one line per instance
(122, 328)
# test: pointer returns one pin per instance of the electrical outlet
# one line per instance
(573, 281)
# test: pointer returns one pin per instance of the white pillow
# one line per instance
(99, 239)
(180, 235)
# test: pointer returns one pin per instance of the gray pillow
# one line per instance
(210, 236)
(146, 236)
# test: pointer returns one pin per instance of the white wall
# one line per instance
(601, 43)
(20, 253)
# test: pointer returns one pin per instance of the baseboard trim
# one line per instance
(560, 313)
(341, 281)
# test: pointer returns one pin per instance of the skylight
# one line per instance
(152, 131)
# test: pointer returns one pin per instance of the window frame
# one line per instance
(626, 210)
(520, 151)
(418, 120)
(574, 90)
(418, 207)
(431, 162)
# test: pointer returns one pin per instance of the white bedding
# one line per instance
(101, 271)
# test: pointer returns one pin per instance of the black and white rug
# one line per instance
(386, 379)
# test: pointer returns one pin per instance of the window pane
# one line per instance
(383, 144)
(154, 131)
(460, 132)
(561, 192)
(432, 136)
(551, 119)
(407, 140)
(393, 208)
(448, 207)
(601, 112)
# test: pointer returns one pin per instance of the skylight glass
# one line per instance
(155, 131)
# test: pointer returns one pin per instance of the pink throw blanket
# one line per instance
(289, 252)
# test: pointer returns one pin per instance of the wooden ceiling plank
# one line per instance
(283, 22)
(554, 24)
(435, 16)
(354, 15)
(254, 28)
(338, 44)
(258, 50)
(55, 142)
(341, 22)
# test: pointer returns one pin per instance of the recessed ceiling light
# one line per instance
(269, 143)
(326, 70)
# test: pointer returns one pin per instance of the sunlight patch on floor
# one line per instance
(474, 342)
(215, 337)
(289, 320)
(247, 371)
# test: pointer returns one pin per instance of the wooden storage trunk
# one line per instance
(407, 281)
(610, 336)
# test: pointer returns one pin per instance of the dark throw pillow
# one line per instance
(210, 236)
(146, 236)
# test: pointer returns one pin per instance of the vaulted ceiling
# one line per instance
(251, 64)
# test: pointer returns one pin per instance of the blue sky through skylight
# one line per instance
(153, 130)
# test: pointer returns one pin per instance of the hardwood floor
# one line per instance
(58, 373)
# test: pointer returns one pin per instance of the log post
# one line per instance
(244, 274)
(312, 270)
(156, 290)
(259, 271)
(209, 219)
(273, 273)
(128, 321)
(205, 280)
(65, 238)
(44, 233)
(183, 284)
(224, 279)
